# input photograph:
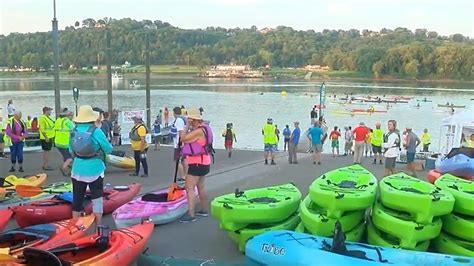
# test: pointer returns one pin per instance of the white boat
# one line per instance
(117, 76)
(134, 84)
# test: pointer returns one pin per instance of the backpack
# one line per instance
(193, 149)
(173, 129)
(81, 143)
(133, 135)
(385, 139)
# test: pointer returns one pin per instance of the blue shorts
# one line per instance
(270, 147)
(410, 157)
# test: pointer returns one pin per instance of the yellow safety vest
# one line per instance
(425, 139)
(269, 136)
(63, 132)
(376, 137)
(48, 127)
(469, 143)
(28, 124)
(10, 123)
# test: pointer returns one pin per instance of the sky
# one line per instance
(443, 16)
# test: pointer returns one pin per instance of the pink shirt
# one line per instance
(204, 159)
(15, 136)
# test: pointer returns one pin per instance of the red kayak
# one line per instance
(51, 210)
(5, 216)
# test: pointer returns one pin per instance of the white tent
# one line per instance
(453, 127)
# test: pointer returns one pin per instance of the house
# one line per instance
(266, 30)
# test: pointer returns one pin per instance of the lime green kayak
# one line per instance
(354, 235)
(256, 206)
(462, 190)
(448, 244)
(242, 235)
(379, 238)
(350, 188)
(420, 199)
(459, 225)
(400, 225)
(12, 199)
(316, 221)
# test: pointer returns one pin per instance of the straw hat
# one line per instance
(194, 114)
(86, 115)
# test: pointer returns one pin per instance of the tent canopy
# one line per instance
(465, 118)
(454, 127)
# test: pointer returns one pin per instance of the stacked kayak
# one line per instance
(154, 205)
(292, 248)
(407, 214)
(12, 199)
(5, 216)
(458, 227)
(458, 165)
(11, 181)
(56, 209)
(433, 175)
(124, 162)
(248, 213)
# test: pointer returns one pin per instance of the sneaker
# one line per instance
(144, 175)
(319, 163)
(202, 213)
(133, 174)
(47, 168)
(266, 162)
(295, 162)
(380, 162)
(187, 219)
(273, 163)
(314, 162)
(12, 170)
(21, 170)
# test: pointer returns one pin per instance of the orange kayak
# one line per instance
(45, 236)
(11, 181)
(121, 248)
(5, 216)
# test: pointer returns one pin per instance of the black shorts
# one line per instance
(198, 169)
(287, 140)
(47, 146)
(116, 134)
(377, 149)
(79, 192)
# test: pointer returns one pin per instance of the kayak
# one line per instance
(368, 111)
(400, 225)
(354, 235)
(432, 176)
(152, 205)
(453, 106)
(448, 244)
(51, 210)
(124, 162)
(5, 216)
(11, 199)
(459, 225)
(291, 248)
(462, 190)
(458, 165)
(121, 247)
(349, 188)
(242, 235)
(45, 236)
(152, 260)
(379, 238)
(11, 181)
(262, 205)
(339, 112)
(420, 199)
(316, 221)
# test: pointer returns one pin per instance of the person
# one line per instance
(88, 168)
(313, 115)
(63, 127)
(412, 142)
(314, 135)
(391, 144)
(348, 138)
(360, 136)
(286, 137)
(28, 123)
(139, 145)
(270, 141)
(46, 134)
(166, 115)
(107, 126)
(116, 133)
(376, 140)
(201, 110)
(177, 132)
(2, 140)
(17, 132)
(293, 143)
(368, 145)
(34, 125)
(157, 133)
(10, 108)
(426, 140)
(277, 132)
(334, 137)
(468, 143)
(159, 117)
(229, 137)
(199, 163)
(183, 110)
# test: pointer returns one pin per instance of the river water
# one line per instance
(247, 103)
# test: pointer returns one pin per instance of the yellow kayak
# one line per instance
(11, 181)
(348, 113)
(125, 162)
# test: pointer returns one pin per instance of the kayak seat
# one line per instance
(410, 189)
(118, 153)
(37, 257)
(151, 197)
(263, 200)
(41, 231)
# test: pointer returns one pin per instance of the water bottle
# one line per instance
(107, 186)
(102, 242)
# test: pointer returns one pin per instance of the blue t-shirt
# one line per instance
(286, 132)
(157, 129)
(296, 135)
(315, 133)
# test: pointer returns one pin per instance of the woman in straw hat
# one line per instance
(199, 162)
(88, 169)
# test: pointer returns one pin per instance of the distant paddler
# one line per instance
(283, 93)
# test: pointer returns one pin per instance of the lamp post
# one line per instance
(75, 95)
(57, 95)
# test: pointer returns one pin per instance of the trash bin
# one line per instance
(430, 163)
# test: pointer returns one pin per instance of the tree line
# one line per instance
(399, 52)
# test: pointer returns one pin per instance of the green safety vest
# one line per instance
(425, 139)
(469, 143)
(269, 136)
(48, 127)
(28, 124)
(62, 132)
(376, 137)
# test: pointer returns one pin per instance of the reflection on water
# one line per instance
(241, 102)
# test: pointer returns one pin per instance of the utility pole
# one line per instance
(147, 63)
(57, 94)
(108, 60)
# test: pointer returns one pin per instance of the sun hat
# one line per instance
(194, 114)
(86, 115)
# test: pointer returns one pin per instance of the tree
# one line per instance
(378, 68)
(411, 69)
(88, 23)
(432, 34)
(31, 60)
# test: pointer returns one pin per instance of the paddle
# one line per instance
(31, 191)
(174, 191)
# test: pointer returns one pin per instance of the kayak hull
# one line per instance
(458, 165)
(125, 162)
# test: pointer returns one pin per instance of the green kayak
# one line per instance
(459, 225)
(242, 235)
(420, 199)
(355, 235)
(316, 221)
(400, 225)
(350, 188)
(448, 244)
(11, 199)
(256, 206)
(462, 190)
(379, 238)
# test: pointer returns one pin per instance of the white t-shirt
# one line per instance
(392, 149)
(179, 124)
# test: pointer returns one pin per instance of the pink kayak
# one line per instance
(152, 205)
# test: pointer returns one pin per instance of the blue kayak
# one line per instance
(291, 248)
(458, 165)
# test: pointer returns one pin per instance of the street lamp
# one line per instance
(57, 96)
(75, 95)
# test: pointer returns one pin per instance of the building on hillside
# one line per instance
(233, 71)
(316, 68)
(266, 30)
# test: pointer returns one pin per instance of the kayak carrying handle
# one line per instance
(239, 193)
(227, 206)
